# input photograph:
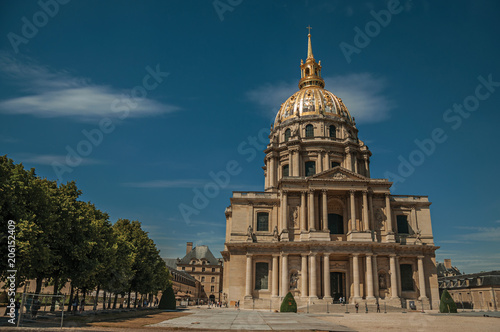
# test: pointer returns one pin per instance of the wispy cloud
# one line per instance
(480, 234)
(185, 183)
(49, 159)
(364, 94)
(45, 92)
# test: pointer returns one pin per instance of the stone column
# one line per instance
(367, 166)
(296, 161)
(369, 278)
(370, 206)
(320, 161)
(291, 170)
(304, 285)
(366, 223)
(249, 274)
(267, 173)
(394, 279)
(284, 211)
(355, 275)
(355, 160)
(272, 172)
(326, 277)
(312, 277)
(398, 274)
(375, 275)
(388, 213)
(348, 160)
(325, 210)
(284, 275)
(310, 206)
(275, 291)
(326, 162)
(303, 227)
(421, 278)
(353, 211)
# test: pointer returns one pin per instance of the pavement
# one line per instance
(230, 319)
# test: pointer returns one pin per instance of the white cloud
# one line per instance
(186, 183)
(363, 94)
(481, 234)
(51, 93)
(48, 159)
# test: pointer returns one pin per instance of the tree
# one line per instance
(288, 304)
(167, 301)
(447, 304)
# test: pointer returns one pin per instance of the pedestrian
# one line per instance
(75, 305)
(17, 306)
(378, 307)
(357, 307)
(35, 308)
(82, 305)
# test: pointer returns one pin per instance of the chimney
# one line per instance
(447, 263)
(189, 247)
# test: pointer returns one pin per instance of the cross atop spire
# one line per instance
(309, 27)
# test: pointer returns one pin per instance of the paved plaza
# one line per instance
(228, 319)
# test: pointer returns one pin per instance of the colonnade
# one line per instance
(308, 214)
(309, 288)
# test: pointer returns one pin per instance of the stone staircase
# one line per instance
(324, 308)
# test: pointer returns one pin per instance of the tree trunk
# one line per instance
(56, 292)
(70, 298)
(116, 299)
(128, 301)
(96, 300)
(135, 302)
(121, 301)
(104, 301)
(109, 301)
(38, 289)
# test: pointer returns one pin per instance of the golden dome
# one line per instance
(312, 98)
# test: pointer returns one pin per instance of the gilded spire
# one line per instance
(309, 47)
(310, 70)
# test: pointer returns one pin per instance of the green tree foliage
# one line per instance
(60, 238)
(167, 301)
(447, 304)
(288, 304)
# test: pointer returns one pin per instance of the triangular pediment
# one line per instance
(338, 173)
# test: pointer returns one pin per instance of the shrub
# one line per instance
(288, 304)
(447, 304)
(167, 300)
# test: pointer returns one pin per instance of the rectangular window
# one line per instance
(183, 268)
(261, 275)
(213, 279)
(262, 222)
(202, 279)
(212, 289)
(213, 269)
(286, 171)
(310, 168)
(335, 223)
(192, 269)
(406, 277)
(402, 224)
(202, 269)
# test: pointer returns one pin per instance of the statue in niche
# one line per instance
(382, 284)
(418, 236)
(294, 280)
(276, 235)
(295, 216)
(250, 234)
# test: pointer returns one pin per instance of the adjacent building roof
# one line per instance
(443, 271)
(481, 279)
(172, 266)
(199, 253)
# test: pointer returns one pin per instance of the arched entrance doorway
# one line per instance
(337, 284)
(212, 298)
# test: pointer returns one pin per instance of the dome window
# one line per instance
(310, 168)
(309, 130)
(287, 134)
(333, 131)
(286, 170)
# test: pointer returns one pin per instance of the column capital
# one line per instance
(355, 254)
(324, 190)
(284, 254)
(364, 191)
(303, 192)
(284, 192)
(369, 254)
(387, 195)
(420, 256)
(352, 191)
(312, 254)
(311, 190)
(393, 255)
(326, 254)
(249, 255)
(304, 255)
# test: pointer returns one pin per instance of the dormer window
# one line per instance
(287, 134)
(333, 131)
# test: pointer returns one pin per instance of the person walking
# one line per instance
(357, 307)
(378, 307)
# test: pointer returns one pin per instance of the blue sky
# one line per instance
(140, 102)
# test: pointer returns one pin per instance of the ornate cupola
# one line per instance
(310, 72)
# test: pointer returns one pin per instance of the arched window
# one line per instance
(309, 130)
(333, 131)
(307, 71)
(287, 134)
(213, 279)
(286, 170)
(310, 168)
(262, 221)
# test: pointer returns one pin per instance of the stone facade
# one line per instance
(201, 264)
(323, 228)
